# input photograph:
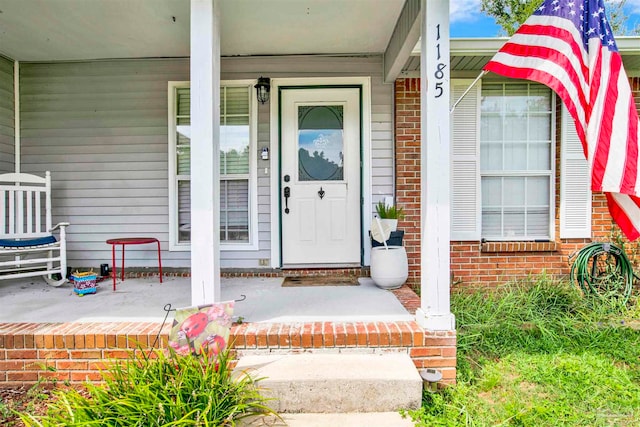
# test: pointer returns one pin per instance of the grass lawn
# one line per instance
(541, 355)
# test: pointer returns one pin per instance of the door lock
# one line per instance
(287, 194)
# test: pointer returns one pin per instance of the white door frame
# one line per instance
(365, 82)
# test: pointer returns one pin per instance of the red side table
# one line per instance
(130, 241)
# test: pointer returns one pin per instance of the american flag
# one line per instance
(568, 45)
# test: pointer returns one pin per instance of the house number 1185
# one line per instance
(438, 74)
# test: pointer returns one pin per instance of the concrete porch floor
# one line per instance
(143, 299)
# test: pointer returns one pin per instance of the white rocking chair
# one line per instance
(28, 247)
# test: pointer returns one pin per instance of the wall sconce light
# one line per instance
(263, 87)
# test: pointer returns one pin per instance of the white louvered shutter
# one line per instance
(465, 162)
(575, 184)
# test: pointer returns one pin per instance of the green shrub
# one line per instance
(159, 390)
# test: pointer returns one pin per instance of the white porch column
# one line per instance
(205, 151)
(435, 313)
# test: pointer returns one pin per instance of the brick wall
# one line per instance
(76, 352)
(472, 263)
(407, 167)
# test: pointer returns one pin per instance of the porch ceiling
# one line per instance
(48, 30)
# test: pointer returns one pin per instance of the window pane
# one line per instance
(491, 192)
(235, 134)
(515, 156)
(515, 127)
(539, 127)
(491, 156)
(538, 222)
(184, 211)
(513, 223)
(492, 223)
(491, 98)
(491, 128)
(237, 120)
(237, 101)
(539, 99)
(320, 143)
(234, 150)
(516, 99)
(538, 191)
(234, 210)
(514, 191)
(539, 156)
(183, 102)
(183, 154)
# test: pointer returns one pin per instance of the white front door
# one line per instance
(320, 176)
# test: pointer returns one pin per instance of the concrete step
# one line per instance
(368, 419)
(336, 383)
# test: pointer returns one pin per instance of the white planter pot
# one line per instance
(389, 266)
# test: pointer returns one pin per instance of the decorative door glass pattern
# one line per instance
(320, 143)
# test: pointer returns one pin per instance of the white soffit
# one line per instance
(46, 30)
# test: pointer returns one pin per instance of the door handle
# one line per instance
(287, 194)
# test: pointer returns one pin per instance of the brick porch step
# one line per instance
(342, 383)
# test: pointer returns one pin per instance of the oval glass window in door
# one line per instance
(320, 143)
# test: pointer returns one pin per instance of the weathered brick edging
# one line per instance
(77, 351)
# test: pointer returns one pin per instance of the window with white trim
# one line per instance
(237, 140)
(516, 161)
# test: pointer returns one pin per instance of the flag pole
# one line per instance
(482, 73)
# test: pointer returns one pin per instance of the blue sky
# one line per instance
(468, 21)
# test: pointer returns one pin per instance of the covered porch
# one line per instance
(88, 104)
(89, 82)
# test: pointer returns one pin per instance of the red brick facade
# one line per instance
(472, 263)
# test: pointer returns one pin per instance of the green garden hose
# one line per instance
(603, 270)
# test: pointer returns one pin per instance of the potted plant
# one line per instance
(389, 265)
(388, 215)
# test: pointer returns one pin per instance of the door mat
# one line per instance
(319, 281)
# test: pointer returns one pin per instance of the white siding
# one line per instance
(101, 129)
(7, 146)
